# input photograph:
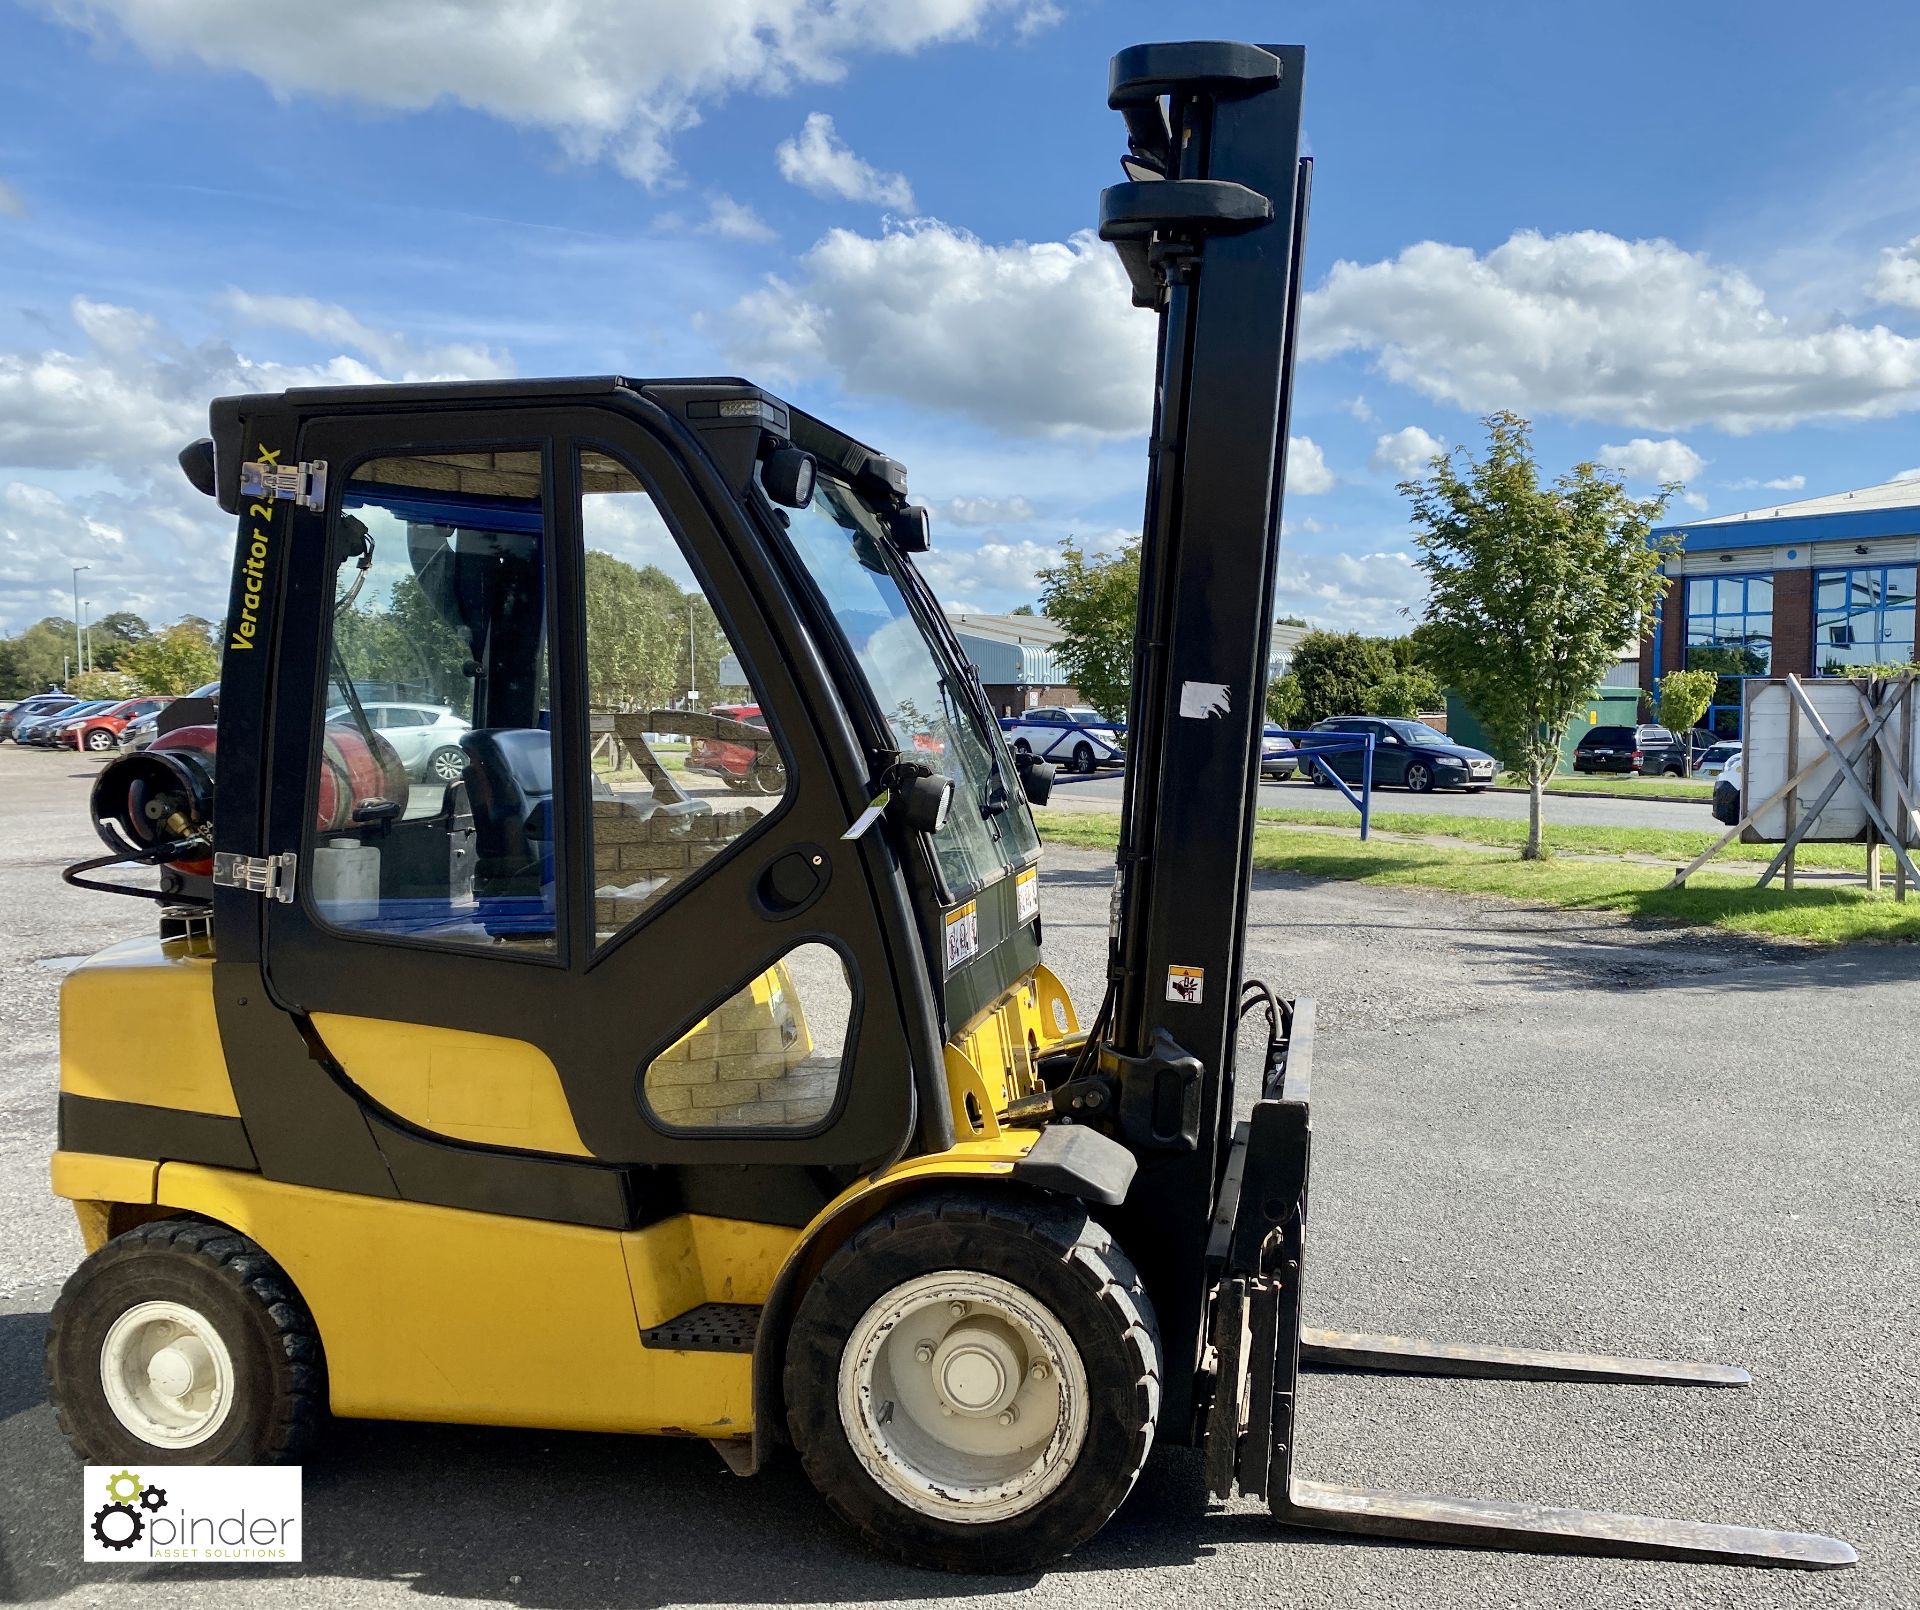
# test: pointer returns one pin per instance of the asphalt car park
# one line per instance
(1495, 1161)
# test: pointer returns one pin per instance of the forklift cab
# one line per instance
(545, 582)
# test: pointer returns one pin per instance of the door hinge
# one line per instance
(270, 875)
(303, 484)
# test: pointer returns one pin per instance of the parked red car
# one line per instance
(741, 764)
(101, 730)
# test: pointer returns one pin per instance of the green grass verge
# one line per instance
(1671, 788)
(1826, 915)
(1669, 844)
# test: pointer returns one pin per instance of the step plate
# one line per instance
(710, 1328)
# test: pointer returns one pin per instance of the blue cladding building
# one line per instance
(1819, 587)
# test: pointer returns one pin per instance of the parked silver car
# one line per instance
(425, 736)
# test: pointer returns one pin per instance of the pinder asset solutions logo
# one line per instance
(209, 1514)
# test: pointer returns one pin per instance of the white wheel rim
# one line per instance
(448, 768)
(963, 1397)
(167, 1375)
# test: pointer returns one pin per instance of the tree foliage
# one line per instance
(1684, 697)
(640, 629)
(39, 658)
(1533, 589)
(1336, 673)
(176, 660)
(1404, 694)
(1094, 599)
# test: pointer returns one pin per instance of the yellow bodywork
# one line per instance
(434, 1313)
(478, 1087)
(109, 1008)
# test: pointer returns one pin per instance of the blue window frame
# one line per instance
(1863, 616)
(1729, 630)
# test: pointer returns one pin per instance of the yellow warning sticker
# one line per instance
(963, 934)
(1184, 984)
(1026, 895)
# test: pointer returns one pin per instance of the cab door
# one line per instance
(579, 949)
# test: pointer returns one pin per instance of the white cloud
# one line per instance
(978, 511)
(110, 409)
(1592, 326)
(1404, 454)
(735, 220)
(1373, 592)
(161, 552)
(12, 203)
(1909, 475)
(1643, 459)
(1029, 339)
(615, 81)
(397, 357)
(1307, 472)
(1897, 281)
(993, 574)
(1780, 483)
(1357, 406)
(818, 160)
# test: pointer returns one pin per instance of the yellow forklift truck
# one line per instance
(494, 1064)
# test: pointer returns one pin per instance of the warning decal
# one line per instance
(1026, 895)
(963, 934)
(1184, 984)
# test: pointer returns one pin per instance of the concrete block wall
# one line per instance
(743, 1066)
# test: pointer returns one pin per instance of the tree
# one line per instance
(1283, 701)
(1094, 599)
(112, 635)
(1336, 672)
(42, 657)
(104, 685)
(1021, 609)
(1684, 697)
(175, 660)
(1533, 590)
(1403, 694)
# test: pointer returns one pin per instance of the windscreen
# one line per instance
(922, 692)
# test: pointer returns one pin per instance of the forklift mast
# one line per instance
(1211, 230)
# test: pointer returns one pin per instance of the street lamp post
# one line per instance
(86, 638)
(76, 610)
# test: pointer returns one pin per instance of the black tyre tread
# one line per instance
(245, 1267)
(1081, 1243)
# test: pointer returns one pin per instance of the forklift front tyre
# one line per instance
(973, 1384)
(182, 1342)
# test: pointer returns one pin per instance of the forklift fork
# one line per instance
(1257, 1256)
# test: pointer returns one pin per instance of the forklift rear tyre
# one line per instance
(182, 1342)
(973, 1384)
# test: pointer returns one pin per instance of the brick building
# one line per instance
(1819, 587)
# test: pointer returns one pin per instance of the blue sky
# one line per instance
(1684, 239)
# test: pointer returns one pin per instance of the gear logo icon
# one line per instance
(123, 1488)
(152, 1498)
(118, 1526)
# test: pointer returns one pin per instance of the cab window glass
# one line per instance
(432, 774)
(771, 1056)
(685, 759)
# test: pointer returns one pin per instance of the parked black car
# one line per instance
(1406, 754)
(41, 704)
(1648, 750)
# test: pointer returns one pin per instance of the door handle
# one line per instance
(792, 881)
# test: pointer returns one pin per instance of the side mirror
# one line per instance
(1036, 776)
(788, 475)
(910, 528)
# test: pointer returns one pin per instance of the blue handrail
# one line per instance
(1330, 743)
